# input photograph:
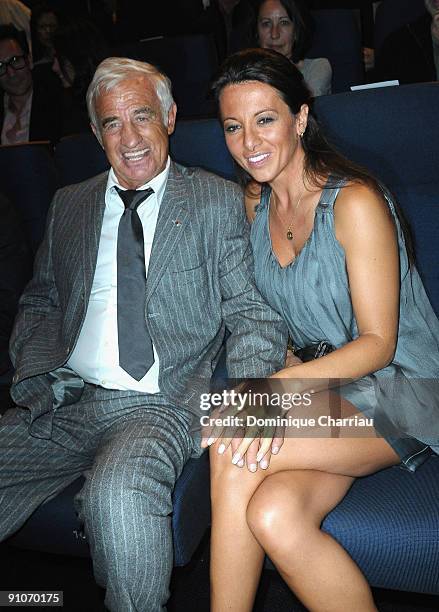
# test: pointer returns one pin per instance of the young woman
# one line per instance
(331, 257)
(285, 27)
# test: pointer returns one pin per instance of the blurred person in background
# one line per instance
(411, 54)
(79, 48)
(44, 23)
(229, 22)
(30, 100)
(286, 27)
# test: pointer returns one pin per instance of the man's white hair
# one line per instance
(112, 71)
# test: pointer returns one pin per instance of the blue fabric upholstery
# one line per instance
(28, 179)
(78, 158)
(394, 132)
(389, 524)
(200, 142)
(338, 38)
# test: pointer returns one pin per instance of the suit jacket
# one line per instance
(200, 279)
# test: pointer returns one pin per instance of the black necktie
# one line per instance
(136, 354)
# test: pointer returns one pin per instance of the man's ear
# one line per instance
(172, 114)
(97, 134)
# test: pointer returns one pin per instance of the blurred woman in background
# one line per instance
(286, 27)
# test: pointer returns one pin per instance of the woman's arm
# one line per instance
(365, 229)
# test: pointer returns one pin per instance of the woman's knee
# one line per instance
(289, 505)
(279, 507)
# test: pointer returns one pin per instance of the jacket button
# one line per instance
(15, 378)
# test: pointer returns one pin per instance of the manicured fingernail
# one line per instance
(275, 450)
(240, 463)
(221, 449)
(236, 458)
(259, 456)
(253, 467)
(264, 464)
(210, 441)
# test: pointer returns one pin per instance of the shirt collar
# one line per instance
(158, 183)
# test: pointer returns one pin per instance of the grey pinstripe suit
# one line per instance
(132, 446)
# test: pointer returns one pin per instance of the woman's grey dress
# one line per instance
(312, 295)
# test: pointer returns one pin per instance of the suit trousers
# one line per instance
(131, 447)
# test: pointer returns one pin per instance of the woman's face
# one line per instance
(275, 28)
(261, 132)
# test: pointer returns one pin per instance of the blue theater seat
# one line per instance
(28, 179)
(394, 131)
(337, 37)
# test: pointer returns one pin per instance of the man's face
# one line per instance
(132, 131)
(14, 82)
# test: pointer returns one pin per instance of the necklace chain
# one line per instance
(289, 234)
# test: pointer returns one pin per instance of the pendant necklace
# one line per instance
(289, 234)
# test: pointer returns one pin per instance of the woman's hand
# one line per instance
(245, 428)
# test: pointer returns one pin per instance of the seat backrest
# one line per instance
(28, 179)
(200, 142)
(78, 158)
(392, 15)
(337, 37)
(190, 62)
(394, 132)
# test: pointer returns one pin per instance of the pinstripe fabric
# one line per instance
(199, 281)
(132, 448)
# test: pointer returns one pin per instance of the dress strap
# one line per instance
(265, 196)
(330, 192)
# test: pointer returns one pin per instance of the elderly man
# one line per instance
(30, 100)
(140, 271)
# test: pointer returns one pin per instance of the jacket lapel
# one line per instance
(172, 219)
(93, 214)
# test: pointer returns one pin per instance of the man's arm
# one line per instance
(40, 298)
(257, 345)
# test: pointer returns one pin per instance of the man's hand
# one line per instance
(252, 438)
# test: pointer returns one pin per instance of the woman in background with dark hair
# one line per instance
(286, 27)
(80, 48)
(43, 25)
(330, 256)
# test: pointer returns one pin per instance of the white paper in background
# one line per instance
(373, 85)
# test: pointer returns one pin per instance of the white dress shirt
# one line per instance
(10, 134)
(96, 354)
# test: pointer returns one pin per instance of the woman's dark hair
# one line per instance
(43, 8)
(81, 44)
(303, 26)
(321, 159)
